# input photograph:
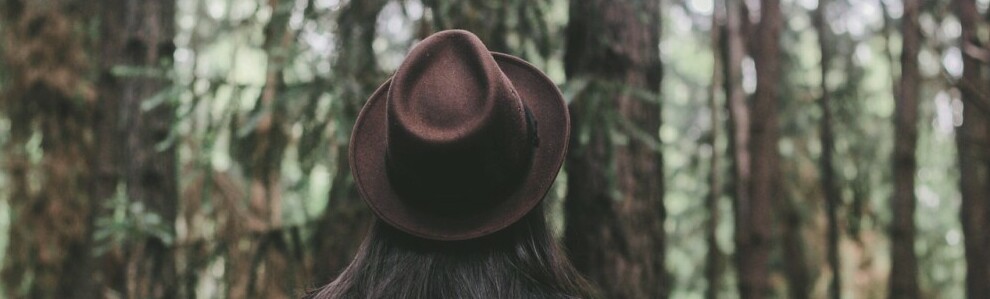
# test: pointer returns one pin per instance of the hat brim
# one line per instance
(367, 161)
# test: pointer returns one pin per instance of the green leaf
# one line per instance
(167, 95)
(121, 70)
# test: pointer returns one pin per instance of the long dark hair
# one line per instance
(521, 261)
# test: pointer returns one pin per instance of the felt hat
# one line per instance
(461, 142)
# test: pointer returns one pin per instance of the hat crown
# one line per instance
(458, 134)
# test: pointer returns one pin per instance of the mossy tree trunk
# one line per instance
(614, 207)
(133, 130)
(48, 100)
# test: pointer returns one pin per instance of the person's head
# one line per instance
(454, 155)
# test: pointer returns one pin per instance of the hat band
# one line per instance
(534, 137)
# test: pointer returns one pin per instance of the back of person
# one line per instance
(454, 155)
(520, 262)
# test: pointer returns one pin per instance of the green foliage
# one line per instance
(126, 221)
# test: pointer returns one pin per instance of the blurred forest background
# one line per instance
(721, 148)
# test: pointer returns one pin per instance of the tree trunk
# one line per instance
(754, 233)
(262, 269)
(614, 206)
(733, 51)
(344, 223)
(832, 195)
(713, 265)
(904, 265)
(481, 17)
(793, 249)
(973, 140)
(48, 101)
(139, 34)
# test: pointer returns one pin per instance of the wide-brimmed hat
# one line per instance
(461, 142)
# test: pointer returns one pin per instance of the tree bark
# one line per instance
(832, 196)
(344, 223)
(614, 206)
(713, 265)
(48, 101)
(481, 17)
(139, 34)
(733, 51)
(904, 265)
(973, 141)
(793, 249)
(754, 233)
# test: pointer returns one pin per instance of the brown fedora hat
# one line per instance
(461, 142)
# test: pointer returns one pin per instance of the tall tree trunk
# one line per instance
(973, 140)
(139, 34)
(904, 264)
(754, 233)
(713, 265)
(614, 206)
(48, 101)
(832, 196)
(733, 51)
(262, 269)
(345, 221)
